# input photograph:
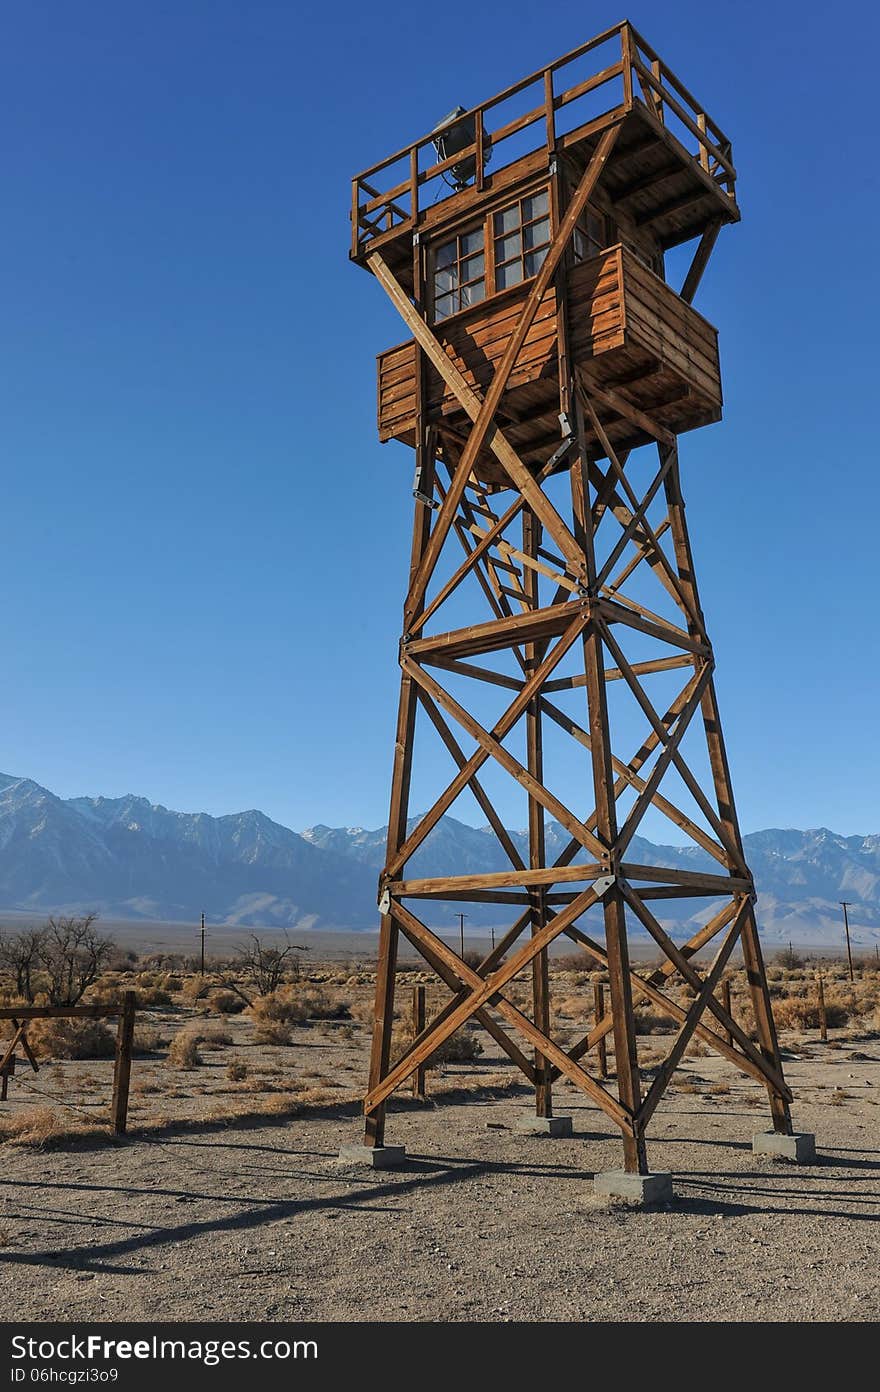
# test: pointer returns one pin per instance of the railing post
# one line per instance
(657, 71)
(704, 153)
(627, 51)
(355, 217)
(549, 110)
(414, 183)
(479, 150)
(122, 1066)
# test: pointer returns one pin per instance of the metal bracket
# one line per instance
(603, 884)
(385, 901)
(419, 493)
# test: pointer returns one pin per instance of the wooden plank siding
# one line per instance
(624, 321)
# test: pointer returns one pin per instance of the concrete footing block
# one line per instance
(544, 1126)
(643, 1189)
(800, 1147)
(386, 1157)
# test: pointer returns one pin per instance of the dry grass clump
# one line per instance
(282, 1007)
(146, 1040)
(655, 1022)
(227, 1002)
(271, 1032)
(802, 1012)
(236, 1071)
(183, 1051)
(39, 1126)
(70, 1039)
(321, 1005)
(194, 988)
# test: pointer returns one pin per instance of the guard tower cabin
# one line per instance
(463, 218)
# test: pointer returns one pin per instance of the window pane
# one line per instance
(579, 242)
(472, 294)
(510, 274)
(445, 280)
(535, 207)
(537, 235)
(595, 228)
(474, 268)
(471, 242)
(507, 220)
(534, 261)
(507, 247)
(445, 254)
(444, 306)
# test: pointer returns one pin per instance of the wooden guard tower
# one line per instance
(549, 373)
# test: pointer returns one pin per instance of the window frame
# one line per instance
(486, 224)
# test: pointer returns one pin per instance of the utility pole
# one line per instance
(492, 931)
(461, 919)
(847, 904)
(202, 955)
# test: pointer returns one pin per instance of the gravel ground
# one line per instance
(260, 1222)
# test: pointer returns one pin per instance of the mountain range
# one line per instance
(128, 858)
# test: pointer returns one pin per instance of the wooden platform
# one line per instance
(631, 335)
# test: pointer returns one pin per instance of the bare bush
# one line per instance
(265, 965)
(71, 955)
(18, 957)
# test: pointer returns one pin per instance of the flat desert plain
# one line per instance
(227, 1201)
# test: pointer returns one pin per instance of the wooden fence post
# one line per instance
(599, 1014)
(725, 1001)
(418, 1024)
(122, 1066)
(823, 1016)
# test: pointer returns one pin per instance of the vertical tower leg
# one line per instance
(383, 1010)
(537, 896)
(751, 946)
(620, 987)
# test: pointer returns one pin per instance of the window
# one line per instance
(459, 274)
(522, 236)
(590, 235)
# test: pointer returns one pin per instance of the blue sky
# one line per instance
(205, 545)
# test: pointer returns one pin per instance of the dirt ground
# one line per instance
(210, 1210)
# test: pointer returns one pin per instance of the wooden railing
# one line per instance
(388, 196)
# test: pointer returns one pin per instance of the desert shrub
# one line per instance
(655, 1022)
(147, 1040)
(472, 958)
(194, 987)
(321, 1005)
(212, 1036)
(183, 1052)
(800, 1013)
(70, 1039)
(461, 1047)
(227, 1002)
(38, 1126)
(272, 1032)
(788, 959)
(236, 1071)
(286, 1007)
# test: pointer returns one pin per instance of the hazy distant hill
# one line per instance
(128, 858)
